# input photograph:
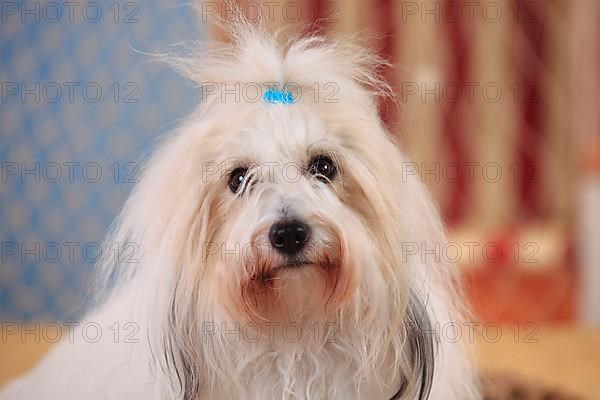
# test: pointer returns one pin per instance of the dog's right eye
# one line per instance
(236, 178)
(323, 168)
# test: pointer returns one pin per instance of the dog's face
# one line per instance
(293, 227)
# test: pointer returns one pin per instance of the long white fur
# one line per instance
(175, 289)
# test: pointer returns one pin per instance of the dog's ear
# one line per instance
(420, 348)
(169, 218)
(189, 225)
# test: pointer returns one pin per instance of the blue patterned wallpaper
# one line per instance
(80, 104)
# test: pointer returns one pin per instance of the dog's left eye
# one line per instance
(236, 178)
(323, 168)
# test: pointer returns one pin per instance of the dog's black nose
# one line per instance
(289, 237)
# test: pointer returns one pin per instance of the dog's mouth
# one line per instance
(285, 266)
(294, 264)
(268, 277)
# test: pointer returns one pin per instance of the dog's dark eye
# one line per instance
(323, 168)
(236, 178)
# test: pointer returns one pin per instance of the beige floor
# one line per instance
(565, 358)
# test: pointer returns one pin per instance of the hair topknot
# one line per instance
(249, 52)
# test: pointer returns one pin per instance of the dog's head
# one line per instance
(293, 213)
(284, 199)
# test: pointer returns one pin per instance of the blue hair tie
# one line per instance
(278, 97)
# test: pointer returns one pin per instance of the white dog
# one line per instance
(270, 254)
